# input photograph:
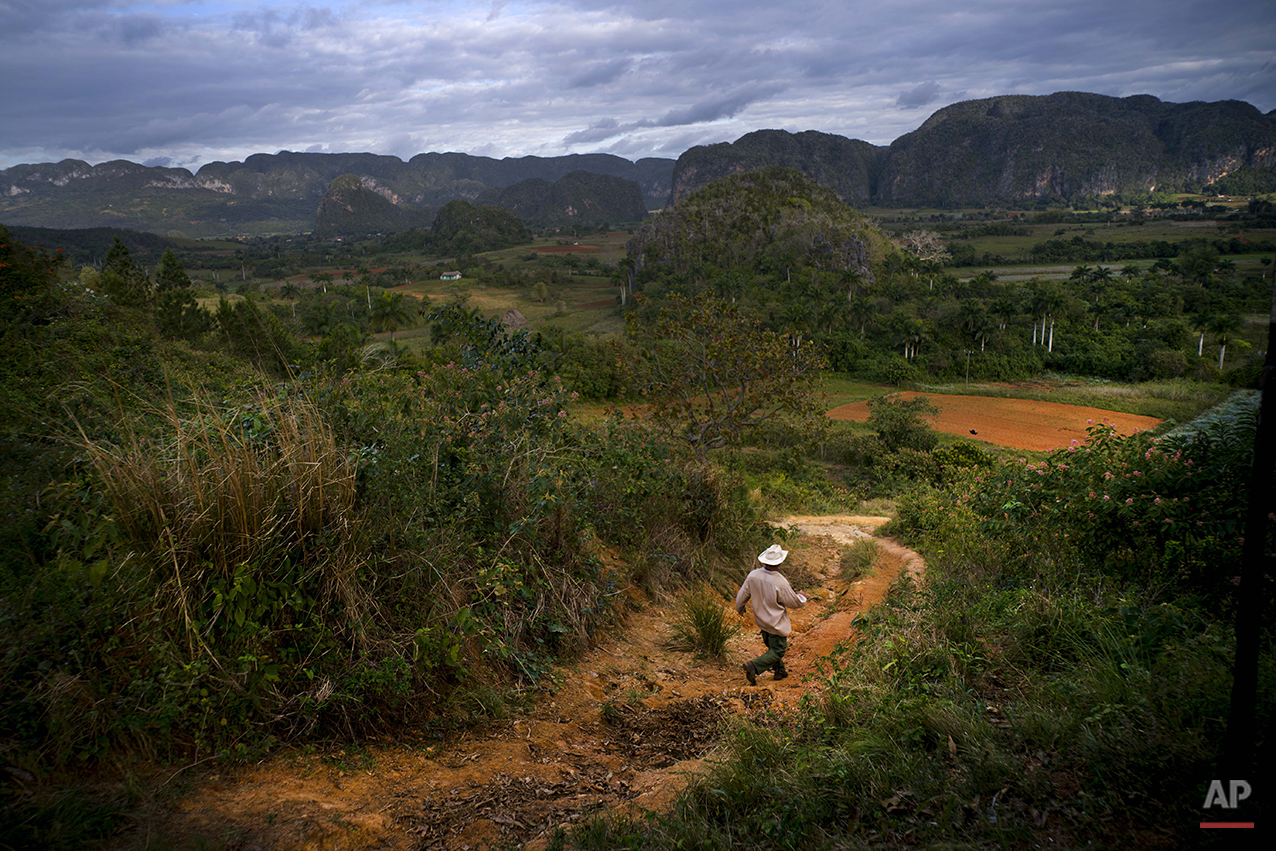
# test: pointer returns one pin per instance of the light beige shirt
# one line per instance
(772, 598)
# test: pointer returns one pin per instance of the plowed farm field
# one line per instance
(1012, 423)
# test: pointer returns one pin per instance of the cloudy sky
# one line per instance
(184, 82)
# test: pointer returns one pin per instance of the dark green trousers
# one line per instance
(776, 647)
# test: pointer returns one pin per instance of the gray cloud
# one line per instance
(920, 95)
(183, 81)
(725, 105)
(600, 73)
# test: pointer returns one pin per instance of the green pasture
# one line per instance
(587, 304)
(1117, 231)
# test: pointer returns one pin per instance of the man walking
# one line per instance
(772, 598)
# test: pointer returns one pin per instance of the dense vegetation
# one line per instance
(219, 536)
(576, 199)
(790, 253)
(233, 518)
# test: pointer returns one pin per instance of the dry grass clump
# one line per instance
(232, 489)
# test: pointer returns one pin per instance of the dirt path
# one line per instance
(630, 722)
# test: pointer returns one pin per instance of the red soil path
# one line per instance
(1013, 423)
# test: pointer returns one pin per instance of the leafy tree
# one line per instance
(178, 314)
(24, 272)
(258, 336)
(171, 275)
(899, 422)
(713, 375)
(123, 281)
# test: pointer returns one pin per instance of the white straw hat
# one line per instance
(773, 555)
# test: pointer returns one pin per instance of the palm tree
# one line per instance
(291, 292)
(860, 310)
(1004, 309)
(1046, 302)
(1223, 327)
(391, 312)
(911, 333)
(974, 318)
(1201, 322)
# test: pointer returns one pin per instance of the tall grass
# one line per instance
(256, 486)
(703, 624)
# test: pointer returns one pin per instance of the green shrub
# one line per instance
(899, 424)
(703, 624)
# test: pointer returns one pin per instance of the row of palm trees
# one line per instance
(981, 319)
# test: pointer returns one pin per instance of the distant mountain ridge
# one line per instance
(577, 198)
(1004, 150)
(847, 166)
(1012, 148)
(279, 192)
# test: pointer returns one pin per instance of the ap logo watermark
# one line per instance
(1227, 797)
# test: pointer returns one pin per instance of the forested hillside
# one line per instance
(792, 253)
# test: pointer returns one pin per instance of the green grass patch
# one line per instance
(703, 624)
(859, 560)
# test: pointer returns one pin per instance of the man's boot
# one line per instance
(750, 673)
(779, 672)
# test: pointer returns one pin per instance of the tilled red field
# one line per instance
(1012, 423)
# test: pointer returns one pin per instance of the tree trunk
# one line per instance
(1050, 347)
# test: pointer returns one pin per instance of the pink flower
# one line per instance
(1129, 500)
(1157, 501)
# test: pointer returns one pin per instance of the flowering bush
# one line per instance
(1168, 511)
